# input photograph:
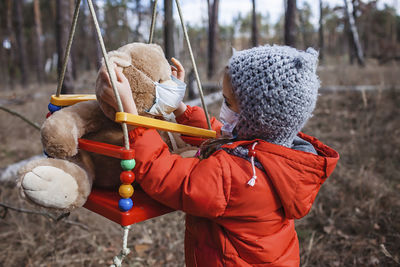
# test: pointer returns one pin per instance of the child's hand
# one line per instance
(180, 110)
(105, 92)
(177, 71)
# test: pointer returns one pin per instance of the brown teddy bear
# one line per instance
(64, 181)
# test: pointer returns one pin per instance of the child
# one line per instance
(244, 192)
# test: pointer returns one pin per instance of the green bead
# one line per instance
(128, 164)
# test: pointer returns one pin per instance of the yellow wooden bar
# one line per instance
(68, 100)
(137, 120)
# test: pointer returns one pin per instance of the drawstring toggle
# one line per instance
(252, 154)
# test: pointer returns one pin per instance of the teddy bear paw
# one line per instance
(50, 187)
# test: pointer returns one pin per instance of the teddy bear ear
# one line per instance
(158, 48)
(120, 59)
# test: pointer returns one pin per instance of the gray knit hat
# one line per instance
(277, 88)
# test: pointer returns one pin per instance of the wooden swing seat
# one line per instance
(105, 203)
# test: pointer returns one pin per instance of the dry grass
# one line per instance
(355, 220)
(372, 74)
(358, 210)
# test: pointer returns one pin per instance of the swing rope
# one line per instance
(194, 64)
(117, 260)
(110, 73)
(68, 48)
(153, 21)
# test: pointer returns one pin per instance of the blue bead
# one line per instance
(53, 108)
(125, 204)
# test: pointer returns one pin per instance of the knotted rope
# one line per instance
(117, 260)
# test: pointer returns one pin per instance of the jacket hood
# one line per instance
(296, 175)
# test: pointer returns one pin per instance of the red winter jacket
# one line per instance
(229, 223)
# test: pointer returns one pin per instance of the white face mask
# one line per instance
(168, 97)
(229, 118)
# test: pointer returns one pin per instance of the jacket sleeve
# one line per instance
(187, 184)
(195, 116)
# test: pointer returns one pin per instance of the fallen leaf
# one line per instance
(141, 249)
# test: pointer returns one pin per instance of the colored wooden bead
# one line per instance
(48, 114)
(126, 190)
(53, 108)
(125, 204)
(128, 164)
(127, 177)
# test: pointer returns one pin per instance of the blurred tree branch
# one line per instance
(33, 124)
(52, 217)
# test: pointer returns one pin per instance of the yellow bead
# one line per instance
(126, 190)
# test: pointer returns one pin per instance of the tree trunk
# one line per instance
(168, 29)
(192, 85)
(73, 52)
(84, 39)
(63, 23)
(350, 43)
(97, 49)
(354, 34)
(254, 28)
(321, 31)
(290, 23)
(19, 24)
(10, 54)
(212, 36)
(302, 30)
(3, 38)
(39, 42)
(138, 36)
(53, 8)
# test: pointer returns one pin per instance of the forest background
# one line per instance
(356, 218)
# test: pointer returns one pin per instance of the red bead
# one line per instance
(127, 177)
(252, 153)
(48, 115)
